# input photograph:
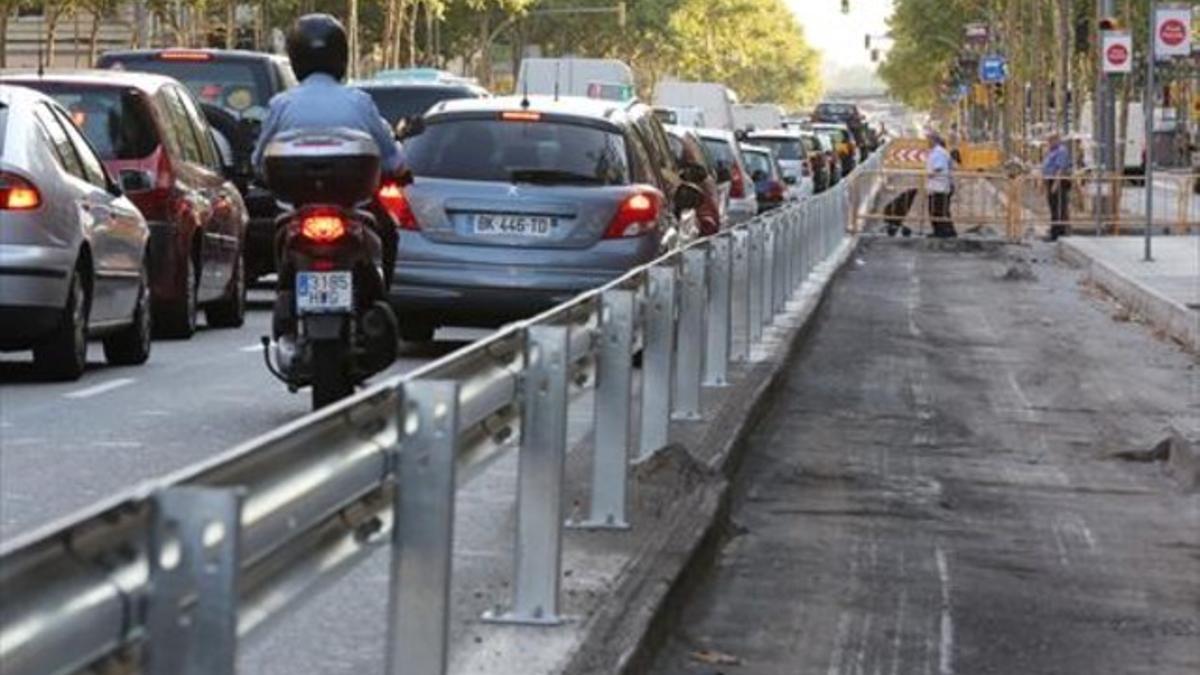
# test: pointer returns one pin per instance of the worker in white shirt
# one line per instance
(939, 185)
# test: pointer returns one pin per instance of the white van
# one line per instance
(595, 78)
(683, 116)
(757, 116)
(1134, 138)
(715, 99)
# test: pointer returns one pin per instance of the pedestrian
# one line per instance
(939, 185)
(1056, 171)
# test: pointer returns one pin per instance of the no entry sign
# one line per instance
(1173, 32)
(1118, 52)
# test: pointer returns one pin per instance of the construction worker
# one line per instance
(1056, 171)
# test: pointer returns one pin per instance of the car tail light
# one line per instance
(637, 215)
(323, 227)
(520, 116)
(391, 196)
(775, 191)
(18, 194)
(737, 188)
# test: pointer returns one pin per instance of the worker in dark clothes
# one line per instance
(1056, 171)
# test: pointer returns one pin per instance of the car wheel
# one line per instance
(230, 311)
(64, 355)
(178, 319)
(131, 346)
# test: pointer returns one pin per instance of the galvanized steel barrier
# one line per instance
(167, 578)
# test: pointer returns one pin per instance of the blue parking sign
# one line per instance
(992, 69)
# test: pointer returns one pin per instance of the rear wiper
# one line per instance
(551, 176)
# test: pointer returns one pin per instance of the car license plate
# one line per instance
(324, 292)
(518, 226)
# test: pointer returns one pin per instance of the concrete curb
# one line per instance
(624, 636)
(1163, 313)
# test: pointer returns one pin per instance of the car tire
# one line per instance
(131, 346)
(177, 320)
(416, 332)
(230, 311)
(63, 356)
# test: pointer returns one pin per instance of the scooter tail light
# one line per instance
(323, 227)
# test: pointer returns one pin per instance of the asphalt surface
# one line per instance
(66, 445)
(935, 490)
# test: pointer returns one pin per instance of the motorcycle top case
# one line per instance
(328, 166)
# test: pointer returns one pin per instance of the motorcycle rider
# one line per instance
(319, 53)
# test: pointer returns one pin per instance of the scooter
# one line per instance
(332, 325)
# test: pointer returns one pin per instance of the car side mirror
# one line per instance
(688, 196)
(724, 175)
(693, 173)
(133, 180)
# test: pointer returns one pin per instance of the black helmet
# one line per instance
(317, 44)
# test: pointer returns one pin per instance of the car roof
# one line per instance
(218, 54)
(746, 147)
(577, 106)
(830, 125)
(774, 133)
(123, 79)
(12, 94)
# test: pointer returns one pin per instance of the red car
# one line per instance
(152, 135)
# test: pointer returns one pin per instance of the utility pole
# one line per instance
(1106, 99)
(1148, 103)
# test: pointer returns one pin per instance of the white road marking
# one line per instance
(946, 661)
(100, 388)
(251, 349)
(118, 444)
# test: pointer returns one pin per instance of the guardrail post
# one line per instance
(613, 412)
(716, 353)
(658, 360)
(740, 321)
(770, 239)
(690, 340)
(798, 273)
(755, 277)
(539, 482)
(194, 555)
(782, 230)
(423, 529)
(789, 246)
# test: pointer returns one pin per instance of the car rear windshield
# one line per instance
(836, 110)
(757, 161)
(397, 103)
(721, 152)
(234, 84)
(546, 152)
(786, 149)
(3, 126)
(114, 120)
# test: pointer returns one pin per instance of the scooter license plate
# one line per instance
(324, 292)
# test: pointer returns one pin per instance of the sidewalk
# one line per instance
(1165, 292)
(934, 489)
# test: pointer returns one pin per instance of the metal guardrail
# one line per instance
(168, 577)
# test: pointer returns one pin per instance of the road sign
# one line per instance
(992, 69)
(1173, 31)
(1117, 47)
(906, 153)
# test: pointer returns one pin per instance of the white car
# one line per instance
(72, 247)
(731, 170)
(792, 155)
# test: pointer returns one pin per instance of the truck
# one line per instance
(714, 98)
(595, 78)
(757, 116)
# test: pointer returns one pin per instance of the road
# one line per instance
(935, 490)
(66, 445)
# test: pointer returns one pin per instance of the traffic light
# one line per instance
(998, 93)
(845, 6)
(1109, 23)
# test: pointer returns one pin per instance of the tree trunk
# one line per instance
(389, 28)
(4, 34)
(353, 30)
(485, 50)
(230, 24)
(412, 33)
(52, 34)
(94, 36)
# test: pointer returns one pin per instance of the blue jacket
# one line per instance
(1058, 162)
(321, 102)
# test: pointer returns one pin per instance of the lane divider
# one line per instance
(100, 388)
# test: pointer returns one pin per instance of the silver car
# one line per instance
(731, 169)
(72, 248)
(518, 205)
